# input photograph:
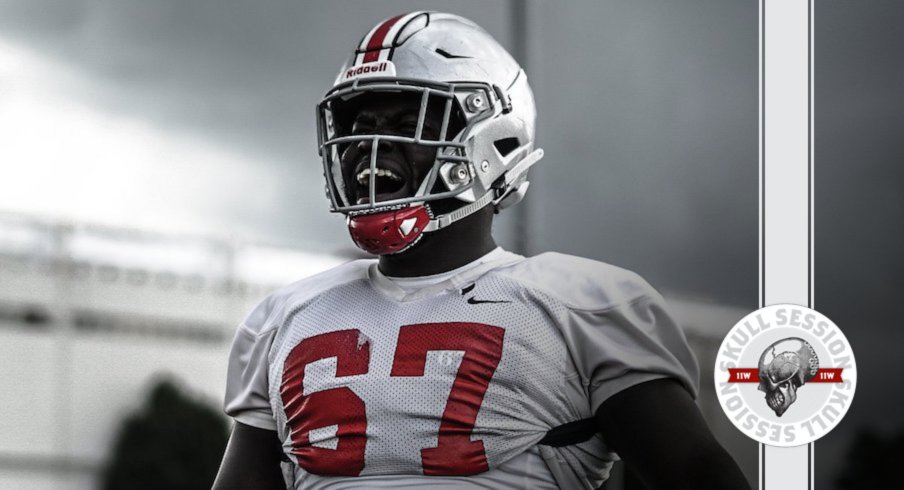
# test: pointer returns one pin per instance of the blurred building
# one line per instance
(90, 315)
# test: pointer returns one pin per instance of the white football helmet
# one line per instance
(453, 66)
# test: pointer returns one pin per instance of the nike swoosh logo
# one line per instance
(473, 301)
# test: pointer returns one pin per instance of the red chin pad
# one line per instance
(388, 232)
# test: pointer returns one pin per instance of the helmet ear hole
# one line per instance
(506, 145)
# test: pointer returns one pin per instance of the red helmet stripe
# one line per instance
(375, 43)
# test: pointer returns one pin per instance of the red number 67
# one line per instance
(455, 452)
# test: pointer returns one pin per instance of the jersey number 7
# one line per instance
(455, 452)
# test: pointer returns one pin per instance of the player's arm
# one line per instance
(660, 434)
(251, 461)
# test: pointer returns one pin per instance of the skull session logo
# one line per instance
(785, 375)
(780, 375)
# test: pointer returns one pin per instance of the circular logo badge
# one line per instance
(785, 375)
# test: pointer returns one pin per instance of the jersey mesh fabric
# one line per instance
(560, 359)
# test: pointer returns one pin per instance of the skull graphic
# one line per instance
(784, 367)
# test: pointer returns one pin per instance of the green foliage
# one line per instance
(175, 442)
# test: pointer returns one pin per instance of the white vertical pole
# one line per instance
(785, 185)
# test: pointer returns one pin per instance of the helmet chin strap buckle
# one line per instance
(513, 191)
(391, 231)
(512, 197)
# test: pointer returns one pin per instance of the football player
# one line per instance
(448, 362)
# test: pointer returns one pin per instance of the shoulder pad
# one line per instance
(263, 316)
(579, 282)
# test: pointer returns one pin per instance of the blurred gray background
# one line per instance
(176, 139)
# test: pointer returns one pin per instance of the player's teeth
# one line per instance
(362, 176)
(381, 172)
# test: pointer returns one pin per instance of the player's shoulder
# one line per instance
(267, 313)
(579, 282)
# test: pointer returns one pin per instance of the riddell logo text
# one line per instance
(373, 69)
(361, 70)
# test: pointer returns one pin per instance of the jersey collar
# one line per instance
(414, 288)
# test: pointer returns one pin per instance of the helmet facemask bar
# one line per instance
(333, 140)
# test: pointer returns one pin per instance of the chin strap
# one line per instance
(467, 210)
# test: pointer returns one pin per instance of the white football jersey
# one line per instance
(450, 381)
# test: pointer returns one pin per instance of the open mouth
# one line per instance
(388, 184)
